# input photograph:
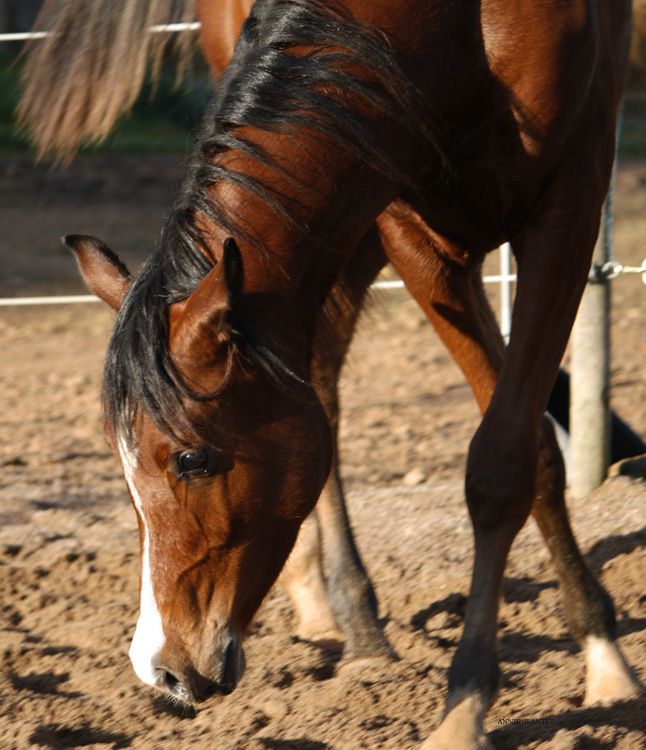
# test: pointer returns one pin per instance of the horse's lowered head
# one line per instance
(221, 491)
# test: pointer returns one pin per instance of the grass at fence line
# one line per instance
(162, 120)
(633, 130)
(9, 141)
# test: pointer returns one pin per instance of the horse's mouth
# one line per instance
(198, 689)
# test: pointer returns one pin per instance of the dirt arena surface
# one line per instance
(69, 544)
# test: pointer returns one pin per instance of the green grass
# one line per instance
(632, 143)
(9, 141)
(633, 140)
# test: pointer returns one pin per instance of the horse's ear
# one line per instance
(204, 323)
(104, 274)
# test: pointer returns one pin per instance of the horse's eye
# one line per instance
(195, 462)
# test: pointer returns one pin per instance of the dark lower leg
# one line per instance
(351, 594)
(587, 606)
(474, 667)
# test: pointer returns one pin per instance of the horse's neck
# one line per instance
(333, 202)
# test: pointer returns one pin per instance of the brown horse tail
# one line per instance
(91, 67)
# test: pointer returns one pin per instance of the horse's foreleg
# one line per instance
(454, 301)
(451, 295)
(350, 594)
(303, 579)
(553, 263)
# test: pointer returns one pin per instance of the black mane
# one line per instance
(267, 88)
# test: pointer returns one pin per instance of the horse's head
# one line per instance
(220, 501)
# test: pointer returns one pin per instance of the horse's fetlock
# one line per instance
(351, 597)
(589, 611)
(475, 669)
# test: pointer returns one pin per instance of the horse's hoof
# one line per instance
(439, 741)
(364, 667)
(368, 645)
(462, 727)
(323, 637)
(457, 737)
(608, 676)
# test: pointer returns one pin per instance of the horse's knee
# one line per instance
(500, 476)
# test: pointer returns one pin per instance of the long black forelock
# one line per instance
(265, 88)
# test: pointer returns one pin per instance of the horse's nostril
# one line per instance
(170, 681)
(175, 686)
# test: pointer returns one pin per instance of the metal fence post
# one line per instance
(590, 383)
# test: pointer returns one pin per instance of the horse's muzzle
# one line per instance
(194, 686)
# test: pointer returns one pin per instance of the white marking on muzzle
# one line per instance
(148, 639)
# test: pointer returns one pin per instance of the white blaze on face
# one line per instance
(148, 639)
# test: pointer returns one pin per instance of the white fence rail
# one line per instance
(168, 28)
(504, 278)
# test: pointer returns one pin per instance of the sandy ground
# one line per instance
(69, 545)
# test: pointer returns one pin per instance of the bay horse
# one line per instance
(454, 128)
